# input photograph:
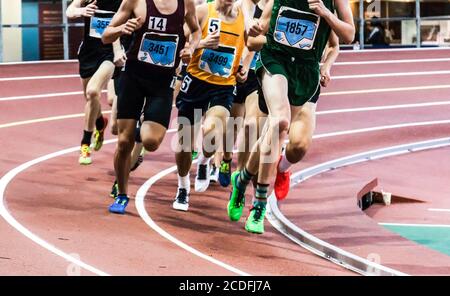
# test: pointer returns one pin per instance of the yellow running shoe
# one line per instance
(99, 136)
(85, 155)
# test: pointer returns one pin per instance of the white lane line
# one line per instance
(380, 90)
(415, 225)
(39, 77)
(346, 92)
(361, 76)
(381, 128)
(44, 96)
(408, 49)
(140, 206)
(39, 62)
(385, 75)
(319, 113)
(439, 210)
(405, 61)
(385, 107)
(46, 119)
(142, 192)
(6, 179)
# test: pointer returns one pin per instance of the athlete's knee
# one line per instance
(151, 143)
(279, 123)
(93, 93)
(125, 145)
(114, 129)
(297, 148)
(111, 99)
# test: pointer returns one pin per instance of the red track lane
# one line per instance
(38, 69)
(377, 55)
(344, 70)
(39, 87)
(420, 178)
(66, 204)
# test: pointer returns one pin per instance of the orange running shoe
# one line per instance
(282, 183)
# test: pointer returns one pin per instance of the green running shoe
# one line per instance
(237, 199)
(194, 155)
(255, 221)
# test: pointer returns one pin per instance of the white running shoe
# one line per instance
(214, 175)
(202, 179)
(181, 202)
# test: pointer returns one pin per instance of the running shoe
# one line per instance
(114, 190)
(202, 178)
(99, 136)
(214, 174)
(194, 155)
(282, 184)
(85, 155)
(181, 202)
(225, 173)
(119, 205)
(139, 160)
(236, 203)
(255, 221)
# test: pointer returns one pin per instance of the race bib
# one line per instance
(218, 62)
(99, 22)
(158, 49)
(295, 28)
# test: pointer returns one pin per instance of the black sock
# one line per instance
(121, 196)
(262, 191)
(244, 178)
(87, 136)
(227, 160)
(100, 123)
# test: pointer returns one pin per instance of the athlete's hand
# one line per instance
(131, 25)
(120, 58)
(242, 75)
(89, 10)
(212, 40)
(186, 54)
(318, 7)
(255, 29)
(325, 76)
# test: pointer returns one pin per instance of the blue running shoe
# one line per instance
(225, 174)
(119, 205)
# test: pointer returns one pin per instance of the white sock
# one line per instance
(284, 164)
(184, 182)
(202, 159)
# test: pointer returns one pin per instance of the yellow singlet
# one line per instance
(219, 66)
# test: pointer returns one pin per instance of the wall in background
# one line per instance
(30, 36)
(11, 11)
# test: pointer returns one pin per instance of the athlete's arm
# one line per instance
(242, 75)
(120, 56)
(75, 10)
(257, 43)
(252, 27)
(195, 33)
(212, 40)
(121, 24)
(342, 24)
(329, 58)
